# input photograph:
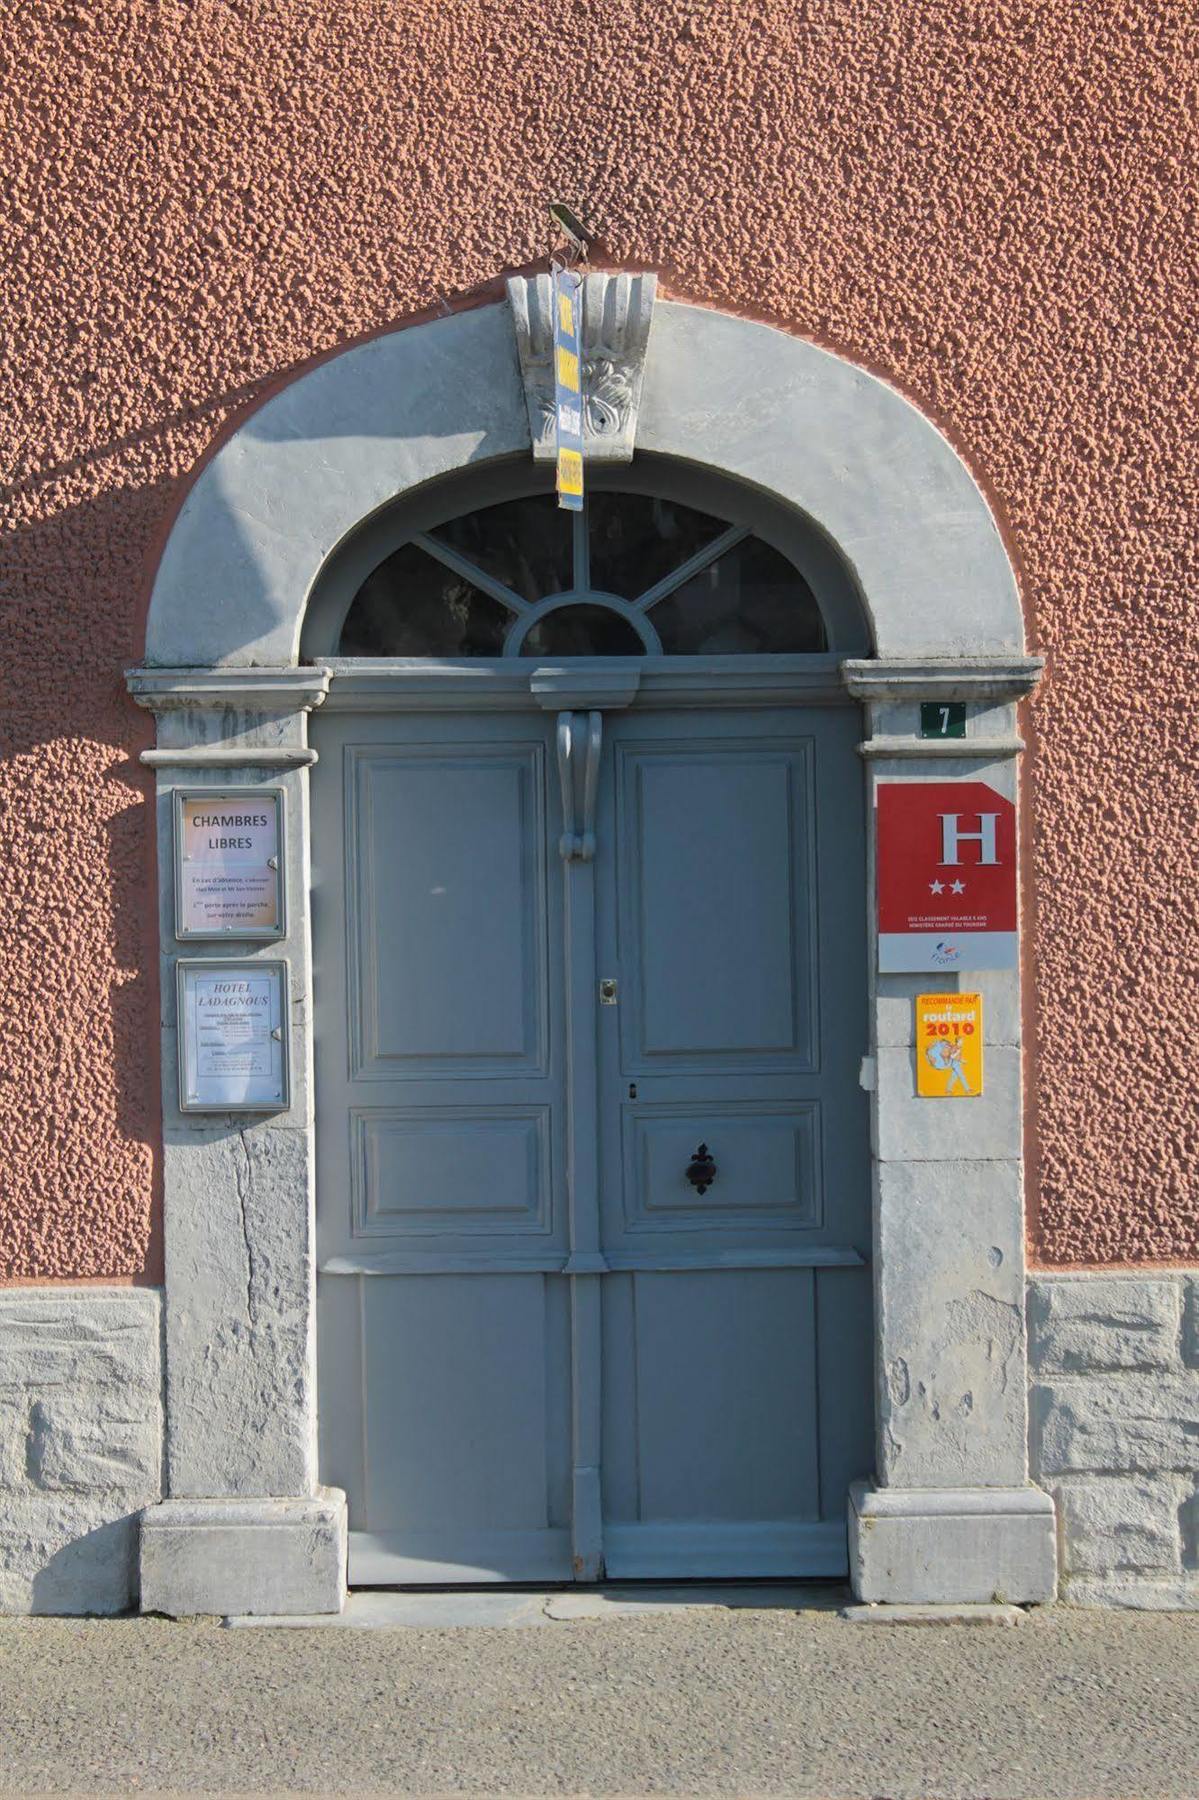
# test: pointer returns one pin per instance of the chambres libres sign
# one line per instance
(228, 864)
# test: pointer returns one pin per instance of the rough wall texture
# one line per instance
(990, 205)
(1114, 1410)
(80, 1445)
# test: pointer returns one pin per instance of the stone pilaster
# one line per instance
(238, 1200)
(951, 1515)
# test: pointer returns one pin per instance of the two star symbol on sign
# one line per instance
(955, 887)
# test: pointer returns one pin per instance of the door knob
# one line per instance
(701, 1170)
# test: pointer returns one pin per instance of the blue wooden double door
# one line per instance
(592, 1192)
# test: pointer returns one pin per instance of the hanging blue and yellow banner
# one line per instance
(568, 387)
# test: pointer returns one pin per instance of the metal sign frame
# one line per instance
(192, 1098)
(250, 796)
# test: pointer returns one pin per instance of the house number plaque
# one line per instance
(228, 864)
(233, 1037)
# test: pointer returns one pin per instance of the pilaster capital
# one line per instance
(241, 690)
(913, 678)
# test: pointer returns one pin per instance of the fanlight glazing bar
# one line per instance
(694, 565)
(462, 565)
(581, 545)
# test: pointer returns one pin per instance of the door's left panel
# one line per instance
(443, 1319)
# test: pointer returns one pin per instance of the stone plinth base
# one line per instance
(949, 1546)
(245, 1556)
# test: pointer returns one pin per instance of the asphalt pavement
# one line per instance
(755, 1694)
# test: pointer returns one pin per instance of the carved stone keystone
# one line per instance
(617, 310)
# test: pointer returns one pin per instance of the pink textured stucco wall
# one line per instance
(993, 205)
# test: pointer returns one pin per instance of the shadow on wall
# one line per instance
(79, 1039)
(79, 1035)
(94, 1572)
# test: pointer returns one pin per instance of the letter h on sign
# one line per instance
(952, 837)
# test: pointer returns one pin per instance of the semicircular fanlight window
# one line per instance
(697, 585)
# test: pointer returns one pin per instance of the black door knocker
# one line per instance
(701, 1170)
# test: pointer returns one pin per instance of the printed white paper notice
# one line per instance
(233, 1042)
(233, 1025)
(229, 851)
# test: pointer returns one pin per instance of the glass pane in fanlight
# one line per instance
(524, 543)
(636, 539)
(412, 606)
(582, 630)
(751, 601)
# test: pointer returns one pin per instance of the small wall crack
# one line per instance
(244, 1172)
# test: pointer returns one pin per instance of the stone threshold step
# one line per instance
(379, 1609)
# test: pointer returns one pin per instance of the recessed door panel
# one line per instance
(723, 1356)
(466, 1424)
(768, 1174)
(437, 1168)
(448, 927)
(459, 1413)
(718, 923)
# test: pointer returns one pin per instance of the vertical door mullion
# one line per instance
(586, 1264)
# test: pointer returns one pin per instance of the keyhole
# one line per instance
(632, 1090)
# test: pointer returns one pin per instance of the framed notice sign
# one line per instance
(229, 864)
(233, 1036)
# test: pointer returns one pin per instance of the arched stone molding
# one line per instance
(380, 420)
(949, 1512)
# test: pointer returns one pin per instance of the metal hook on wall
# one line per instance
(571, 227)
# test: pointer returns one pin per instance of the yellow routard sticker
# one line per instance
(949, 1046)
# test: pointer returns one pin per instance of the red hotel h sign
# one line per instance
(946, 877)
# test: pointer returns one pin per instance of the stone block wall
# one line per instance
(1114, 1413)
(80, 1444)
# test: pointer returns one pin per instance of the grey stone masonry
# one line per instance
(80, 1444)
(1114, 1414)
(276, 1557)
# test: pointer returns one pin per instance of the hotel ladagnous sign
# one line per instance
(946, 877)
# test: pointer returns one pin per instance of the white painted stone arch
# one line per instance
(950, 1513)
(382, 419)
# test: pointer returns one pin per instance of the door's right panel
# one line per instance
(731, 912)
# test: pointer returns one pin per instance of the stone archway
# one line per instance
(951, 1514)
